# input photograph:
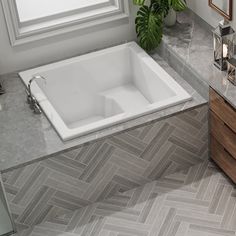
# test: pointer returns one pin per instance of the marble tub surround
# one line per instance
(26, 137)
(59, 185)
(188, 48)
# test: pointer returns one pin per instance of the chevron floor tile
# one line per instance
(200, 201)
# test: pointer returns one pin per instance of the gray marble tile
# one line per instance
(188, 48)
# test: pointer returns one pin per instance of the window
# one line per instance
(30, 20)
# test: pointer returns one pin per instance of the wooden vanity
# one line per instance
(223, 134)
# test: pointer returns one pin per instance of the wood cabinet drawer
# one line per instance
(224, 135)
(224, 110)
(222, 158)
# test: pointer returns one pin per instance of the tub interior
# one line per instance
(105, 85)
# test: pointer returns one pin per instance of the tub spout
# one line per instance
(32, 101)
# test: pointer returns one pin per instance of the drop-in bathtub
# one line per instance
(103, 88)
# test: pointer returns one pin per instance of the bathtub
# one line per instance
(100, 89)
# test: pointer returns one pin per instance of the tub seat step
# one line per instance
(127, 97)
(112, 102)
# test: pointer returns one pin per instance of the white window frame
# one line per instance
(117, 11)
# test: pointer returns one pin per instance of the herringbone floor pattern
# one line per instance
(99, 170)
(200, 201)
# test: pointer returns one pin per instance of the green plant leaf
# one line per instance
(161, 7)
(148, 28)
(178, 5)
(139, 2)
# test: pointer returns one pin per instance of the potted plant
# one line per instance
(150, 20)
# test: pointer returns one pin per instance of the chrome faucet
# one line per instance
(2, 91)
(32, 101)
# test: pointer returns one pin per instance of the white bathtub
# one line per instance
(103, 88)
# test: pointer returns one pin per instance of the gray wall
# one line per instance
(57, 48)
(201, 8)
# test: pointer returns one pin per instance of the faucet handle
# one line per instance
(2, 91)
(37, 109)
(29, 98)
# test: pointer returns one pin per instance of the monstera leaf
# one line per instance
(149, 20)
(178, 5)
(139, 2)
(161, 7)
(148, 28)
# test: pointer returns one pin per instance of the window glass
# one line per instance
(34, 9)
